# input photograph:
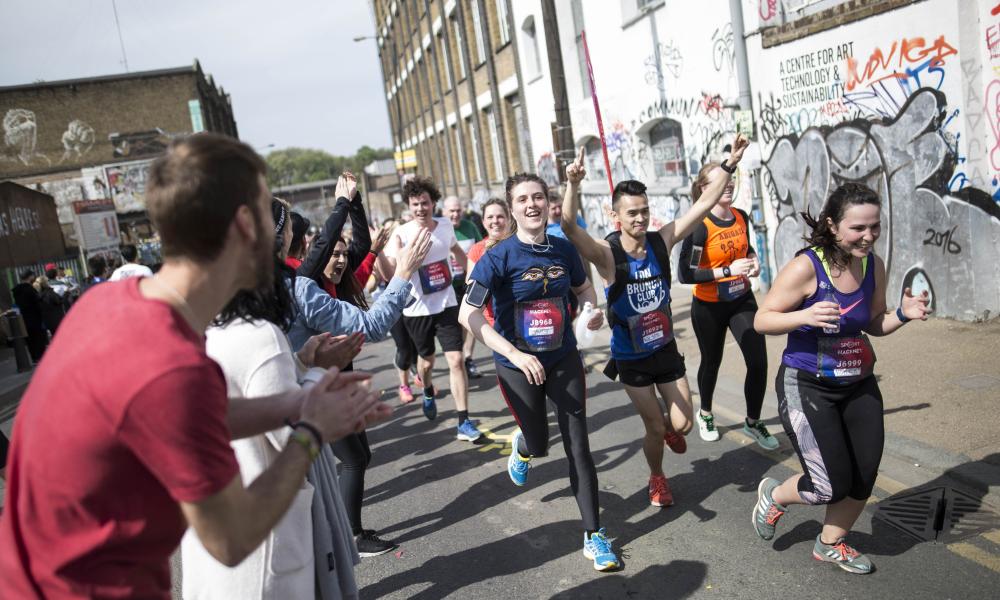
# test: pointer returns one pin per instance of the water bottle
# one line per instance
(829, 296)
(584, 335)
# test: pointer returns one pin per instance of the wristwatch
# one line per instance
(727, 272)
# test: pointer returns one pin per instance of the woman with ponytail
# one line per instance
(826, 299)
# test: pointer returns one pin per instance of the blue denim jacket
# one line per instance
(317, 312)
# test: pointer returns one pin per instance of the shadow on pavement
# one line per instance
(920, 406)
(677, 579)
(514, 554)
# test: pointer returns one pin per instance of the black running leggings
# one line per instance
(710, 321)
(406, 352)
(354, 455)
(837, 431)
(565, 386)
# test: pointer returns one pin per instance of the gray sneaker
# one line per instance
(766, 512)
(758, 432)
(842, 555)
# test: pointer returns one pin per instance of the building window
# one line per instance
(478, 33)
(445, 63)
(532, 58)
(460, 151)
(459, 52)
(666, 144)
(595, 160)
(473, 144)
(632, 10)
(502, 20)
(491, 122)
(581, 54)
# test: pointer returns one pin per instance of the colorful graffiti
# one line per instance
(946, 243)
(905, 59)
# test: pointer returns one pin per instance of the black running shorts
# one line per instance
(664, 366)
(443, 325)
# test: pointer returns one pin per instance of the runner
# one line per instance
(718, 258)
(467, 235)
(826, 299)
(434, 312)
(644, 353)
(530, 276)
(496, 218)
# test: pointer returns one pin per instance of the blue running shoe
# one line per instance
(517, 467)
(598, 549)
(467, 431)
(430, 408)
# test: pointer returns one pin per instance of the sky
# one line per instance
(293, 72)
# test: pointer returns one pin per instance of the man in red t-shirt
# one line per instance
(122, 438)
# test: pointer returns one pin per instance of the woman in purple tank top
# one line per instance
(826, 299)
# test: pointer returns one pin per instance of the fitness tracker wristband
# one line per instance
(899, 315)
(727, 272)
(727, 167)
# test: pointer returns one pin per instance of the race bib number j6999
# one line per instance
(539, 324)
(844, 359)
(435, 277)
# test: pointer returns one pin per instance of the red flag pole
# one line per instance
(597, 112)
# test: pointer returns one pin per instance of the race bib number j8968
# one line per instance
(539, 324)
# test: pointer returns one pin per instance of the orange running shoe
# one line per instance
(659, 491)
(675, 442)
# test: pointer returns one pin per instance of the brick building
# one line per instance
(91, 138)
(453, 90)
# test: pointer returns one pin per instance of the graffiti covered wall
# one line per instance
(889, 110)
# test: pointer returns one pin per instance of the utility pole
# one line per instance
(563, 138)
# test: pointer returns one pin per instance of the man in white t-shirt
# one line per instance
(131, 268)
(434, 311)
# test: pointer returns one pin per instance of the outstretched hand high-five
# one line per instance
(575, 171)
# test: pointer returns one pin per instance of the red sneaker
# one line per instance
(675, 442)
(659, 491)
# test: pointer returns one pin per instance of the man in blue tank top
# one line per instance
(644, 354)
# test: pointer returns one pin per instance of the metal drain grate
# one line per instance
(940, 514)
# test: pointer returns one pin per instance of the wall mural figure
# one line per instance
(77, 140)
(21, 137)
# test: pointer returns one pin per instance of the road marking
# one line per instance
(498, 441)
(993, 536)
(976, 555)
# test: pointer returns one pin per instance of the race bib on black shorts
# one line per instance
(435, 277)
(733, 289)
(844, 359)
(539, 324)
(652, 330)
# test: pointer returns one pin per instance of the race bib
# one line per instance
(435, 277)
(733, 289)
(539, 324)
(456, 268)
(844, 359)
(652, 330)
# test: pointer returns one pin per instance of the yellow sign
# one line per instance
(407, 159)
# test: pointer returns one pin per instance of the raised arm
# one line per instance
(361, 238)
(322, 246)
(594, 251)
(718, 179)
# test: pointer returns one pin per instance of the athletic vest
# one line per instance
(845, 356)
(723, 245)
(638, 299)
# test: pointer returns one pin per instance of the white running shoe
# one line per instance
(706, 428)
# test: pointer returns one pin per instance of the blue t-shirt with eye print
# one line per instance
(530, 287)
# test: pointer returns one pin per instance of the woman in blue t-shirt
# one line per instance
(826, 299)
(530, 276)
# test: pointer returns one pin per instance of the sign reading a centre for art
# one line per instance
(96, 224)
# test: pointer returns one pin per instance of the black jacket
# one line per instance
(322, 246)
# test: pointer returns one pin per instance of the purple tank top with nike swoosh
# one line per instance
(855, 314)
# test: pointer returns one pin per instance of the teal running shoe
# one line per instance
(767, 512)
(758, 432)
(598, 549)
(842, 555)
(517, 467)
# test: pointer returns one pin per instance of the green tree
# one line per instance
(302, 165)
